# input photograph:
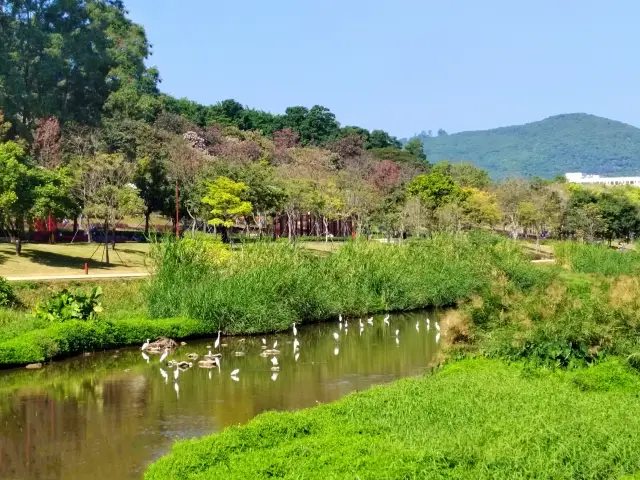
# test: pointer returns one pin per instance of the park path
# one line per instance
(82, 276)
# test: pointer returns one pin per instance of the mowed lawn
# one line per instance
(67, 259)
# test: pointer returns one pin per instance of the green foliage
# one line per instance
(266, 286)
(476, 419)
(7, 295)
(563, 143)
(65, 306)
(416, 148)
(224, 196)
(435, 189)
(589, 258)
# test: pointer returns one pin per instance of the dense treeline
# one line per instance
(87, 131)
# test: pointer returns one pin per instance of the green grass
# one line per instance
(587, 258)
(266, 287)
(40, 259)
(476, 419)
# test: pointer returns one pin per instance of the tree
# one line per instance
(467, 174)
(442, 132)
(435, 189)
(47, 145)
(511, 194)
(416, 148)
(27, 191)
(153, 186)
(481, 208)
(225, 197)
(620, 217)
(381, 139)
(107, 192)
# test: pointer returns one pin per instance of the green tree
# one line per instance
(107, 194)
(467, 174)
(381, 139)
(153, 186)
(225, 197)
(416, 148)
(435, 189)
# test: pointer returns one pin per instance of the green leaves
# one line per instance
(66, 306)
(224, 196)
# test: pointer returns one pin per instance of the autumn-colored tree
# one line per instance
(47, 145)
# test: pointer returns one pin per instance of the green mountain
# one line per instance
(575, 142)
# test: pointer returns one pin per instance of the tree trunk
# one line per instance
(147, 214)
(18, 246)
(89, 239)
(106, 241)
(224, 232)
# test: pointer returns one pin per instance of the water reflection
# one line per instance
(107, 415)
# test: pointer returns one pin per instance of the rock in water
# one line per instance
(33, 366)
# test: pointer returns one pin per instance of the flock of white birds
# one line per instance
(211, 360)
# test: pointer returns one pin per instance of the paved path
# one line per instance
(91, 276)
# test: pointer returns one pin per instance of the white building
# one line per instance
(583, 179)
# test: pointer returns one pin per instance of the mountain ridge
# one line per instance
(553, 146)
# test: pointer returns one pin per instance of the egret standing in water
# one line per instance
(296, 357)
(296, 344)
(437, 326)
(275, 344)
(176, 373)
(295, 330)
(264, 343)
(274, 361)
(397, 332)
(217, 344)
(418, 326)
(428, 324)
(336, 336)
(386, 320)
(164, 355)
(145, 345)
(336, 351)
(145, 356)
(235, 372)
(370, 320)
(165, 375)
(274, 377)
(177, 389)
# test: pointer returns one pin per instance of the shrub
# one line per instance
(7, 296)
(65, 306)
(589, 258)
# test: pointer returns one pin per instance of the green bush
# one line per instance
(476, 419)
(64, 306)
(7, 295)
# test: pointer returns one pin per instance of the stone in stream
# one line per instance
(33, 366)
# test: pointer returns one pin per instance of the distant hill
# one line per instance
(575, 142)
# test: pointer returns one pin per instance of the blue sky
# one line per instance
(403, 66)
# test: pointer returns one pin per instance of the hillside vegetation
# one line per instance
(574, 142)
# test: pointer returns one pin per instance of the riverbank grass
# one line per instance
(475, 419)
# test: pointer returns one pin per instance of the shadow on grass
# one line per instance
(51, 259)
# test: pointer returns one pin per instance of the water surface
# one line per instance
(107, 415)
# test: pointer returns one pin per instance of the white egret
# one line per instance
(176, 372)
(397, 332)
(274, 361)
(296, 357)
(164, 355)
(340, 318)
(336, 336)
(361, 324)
(386, 320)
(264, 341)
(370, 321)
(275, 344)
(346, 324)
(340, 325)
(217, 343)
(165, 375)
(437, 326)
(235, 372)
(209, 374)
(274, 376)
(428, 324)
(437, 337)
(361, 330)
(296, 344)
(295, 330)
(418, 326)
(397, 341)
(177, 389)
(336, 351)
(145, 356)
(145, 345)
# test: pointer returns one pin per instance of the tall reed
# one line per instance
(267, 286)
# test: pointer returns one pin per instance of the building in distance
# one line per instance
(582, 179)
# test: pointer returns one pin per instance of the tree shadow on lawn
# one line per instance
(51, 259)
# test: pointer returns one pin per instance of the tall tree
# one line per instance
(225, 197)
(416, 148)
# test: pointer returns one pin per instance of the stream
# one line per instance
(107, 415)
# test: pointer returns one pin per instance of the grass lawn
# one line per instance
(476, 419)
(63, 259)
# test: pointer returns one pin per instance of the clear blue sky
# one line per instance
(403, 66)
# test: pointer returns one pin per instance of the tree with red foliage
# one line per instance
(386, 175)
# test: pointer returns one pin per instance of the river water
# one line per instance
(107, 415)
